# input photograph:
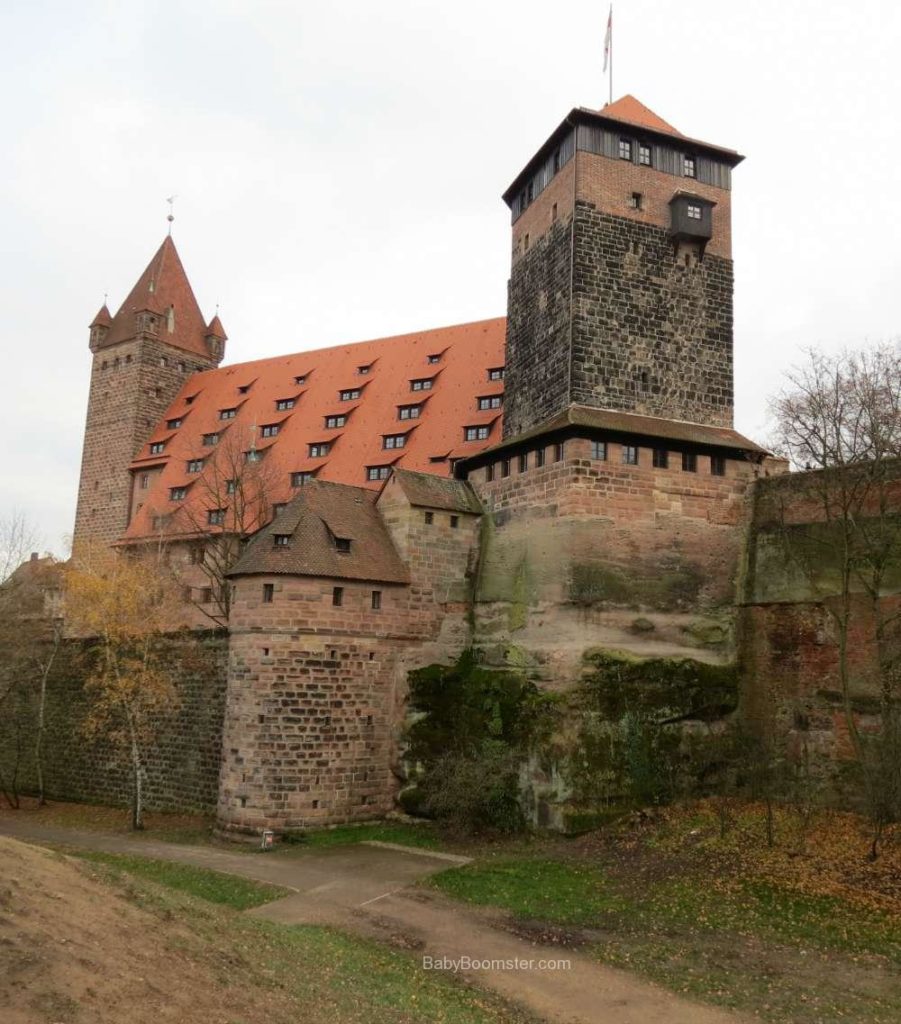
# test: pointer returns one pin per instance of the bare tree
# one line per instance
(840, 417)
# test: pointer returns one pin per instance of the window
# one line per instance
(300, 379)
(437, 458)
(553, 213)
(476, 433)
(145, 481)
(489, 472)
(284, 403)
(268, 593)
(630, 455)
(350, 395)
(693, 212)
(173, 424)
(197, 554)
(557, 159)
(454, 522)
(625, 149)
(429, 518)
(539, 458)
(337, 596)
(599, 450)
(490, 402)
(523, 462)
(497, 373)
(558, 452)
(422, 384)
(215, 516)
(689, 462)
(281, 540)
(525, 241)
(644, 155)
(435, 357)
(277, 507)
(376, 600)
(231, 486)
(333, 422)
(689, 168)
(378, 472)
(394, 440)
(210, 439)
(269, 429)
(195, 465)
(363, 371)
(342, 544)
(190, 398)
(301, 478)
(635, 201)
(177, 493)
(718, 465)
(253, 456)
(318, 450)
(244, 388)
(206, 595)
(505, 467)
(227, 414)
(409, 412)
(661, 458)
(157, 447)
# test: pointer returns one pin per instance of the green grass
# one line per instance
(534, 888)
(405, 835)
(212, 886)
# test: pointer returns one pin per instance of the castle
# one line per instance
(473, 486)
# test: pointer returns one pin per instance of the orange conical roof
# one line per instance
(632, 111)
(216, 330)
(103, 317)
(162, 286)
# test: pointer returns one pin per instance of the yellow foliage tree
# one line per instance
(127, 605)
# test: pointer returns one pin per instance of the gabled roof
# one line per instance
(425, 490)
(466, 353)
(163, 284)
(633, 111)
(629, 424)
(320, 513)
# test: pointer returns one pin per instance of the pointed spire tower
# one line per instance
(142, 357)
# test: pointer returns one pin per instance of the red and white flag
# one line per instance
(608, 39)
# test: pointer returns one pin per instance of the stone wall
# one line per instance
(182, 769)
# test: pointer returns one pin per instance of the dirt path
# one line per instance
(366, 888)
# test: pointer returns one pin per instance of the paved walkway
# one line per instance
(367, 888)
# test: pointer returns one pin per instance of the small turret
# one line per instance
(216, 338)
(99, 328)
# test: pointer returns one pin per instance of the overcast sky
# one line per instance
(339, 167)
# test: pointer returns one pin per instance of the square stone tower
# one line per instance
(620, 294)
(141, 358)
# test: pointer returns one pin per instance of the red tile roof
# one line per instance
(313, 381)
(633, 111)
(216, 330)
(103, 317)
(163, 284)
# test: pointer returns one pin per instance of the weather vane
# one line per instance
(171, 215)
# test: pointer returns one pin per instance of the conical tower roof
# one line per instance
(103, 318)
(163, 286)
(633, 111)
(216, 330)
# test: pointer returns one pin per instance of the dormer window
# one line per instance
(422, 384)
(319, 450)
(409, 412)
(231, 486)
(227, 414)
(496, 373)
(215, 516)
(333, 422)
(157, 447)
(253, 456)
(178, 493)
(363, 371)
(350, 395)
(173, 424)
(476, 433)
(303, 477)
(342, 544)
(300, 379)
(281, 540)
(282, 404)
(625, 149)
(269, 429)
(689, 167)
(390, 441)
(244, 388)
(435, 357)
(210, 440)
(490, 402)
(378, 472)
(278, 506)
(195, 466)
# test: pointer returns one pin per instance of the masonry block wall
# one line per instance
(132, 385)
(182, 771)
(582, 553)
